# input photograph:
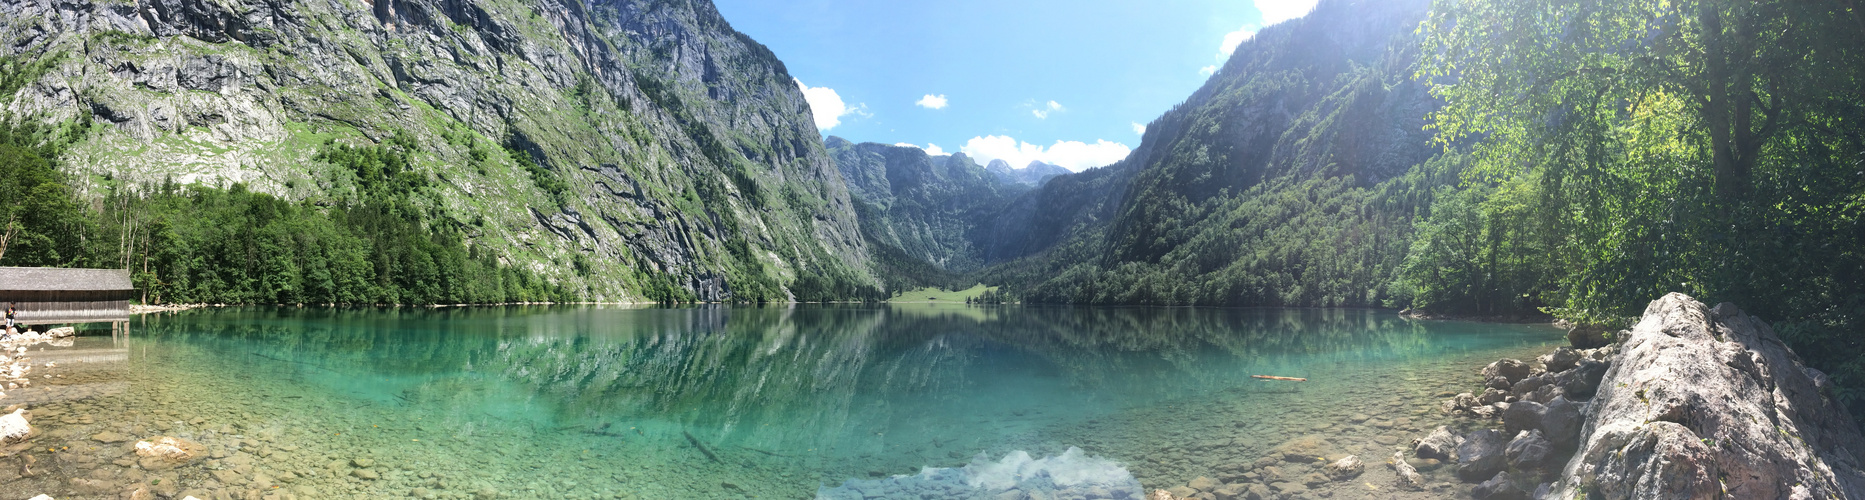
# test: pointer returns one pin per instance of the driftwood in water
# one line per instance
(766, 452)
(602, 430)
(1272, 377)
(702, 447)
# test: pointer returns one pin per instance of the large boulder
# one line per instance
(1522, 416)
(1498, 488)
(167, 452)
(14, 427)
(1530, 451)
(1344, 469)
(1561, 421)
(1481, 455)
(1305, 449)
(1562, 359)
(1512, 370)
(1589, 337)
(1525, 390)
(1440, 444)
(1708, 403)
(1582, 381)
(1409, 477)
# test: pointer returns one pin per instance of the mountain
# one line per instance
(648, 143)
(1290, 178)
(927, 209)
(1033, 174)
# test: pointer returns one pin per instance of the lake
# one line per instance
(741, 401)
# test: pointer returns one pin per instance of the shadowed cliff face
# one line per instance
(932, 208)
(688, 151)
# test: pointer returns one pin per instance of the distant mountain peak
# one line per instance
(1034, 174)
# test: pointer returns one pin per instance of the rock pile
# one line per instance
(15, 368)
(1691, 403)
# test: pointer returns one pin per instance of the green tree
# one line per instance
(1705, 146)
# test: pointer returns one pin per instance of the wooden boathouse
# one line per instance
(52, 296)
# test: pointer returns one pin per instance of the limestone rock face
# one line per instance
(1708, 403)
(634, 104)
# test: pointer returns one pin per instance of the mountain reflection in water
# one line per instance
(839, 390)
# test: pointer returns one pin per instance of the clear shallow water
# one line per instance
(730, 402)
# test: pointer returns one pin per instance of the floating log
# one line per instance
(701, 446)
(1272, 377)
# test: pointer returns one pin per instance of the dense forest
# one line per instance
(198, 244)
(1623, 150)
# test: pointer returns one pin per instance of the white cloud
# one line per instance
(1275, 11)
(1139, 129)
(827, 106)
(1042, 113)
(930, 148)
(1235, 38)
(931, 101)
(1072, 155)
(1229, 46)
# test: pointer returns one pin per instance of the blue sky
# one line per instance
(1066, 82)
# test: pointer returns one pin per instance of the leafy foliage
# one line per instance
(41, 222)
(1623, 150)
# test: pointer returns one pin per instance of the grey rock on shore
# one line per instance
(1481, 455)
(1708, 403)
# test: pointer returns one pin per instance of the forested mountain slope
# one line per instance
(1493, 158)
(1290, 178)
(616, 149)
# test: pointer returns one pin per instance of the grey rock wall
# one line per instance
(676, 133)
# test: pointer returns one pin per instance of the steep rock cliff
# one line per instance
(931, 208)
(687, 149)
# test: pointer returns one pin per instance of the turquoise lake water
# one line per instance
(728, 402)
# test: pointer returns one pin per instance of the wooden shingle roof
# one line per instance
(41, 279)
